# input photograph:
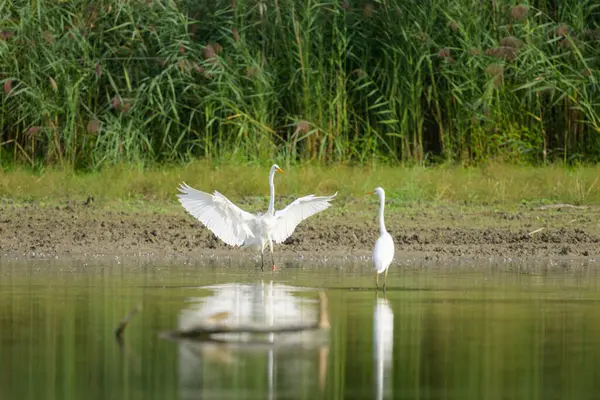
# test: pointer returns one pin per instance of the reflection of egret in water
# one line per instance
(383, 343)
(259, 365)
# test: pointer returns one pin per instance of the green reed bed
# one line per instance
(93, 83)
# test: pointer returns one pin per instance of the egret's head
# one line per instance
(378, 191)
(275, 167)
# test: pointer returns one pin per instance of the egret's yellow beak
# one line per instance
(369, 192)
(280, 170)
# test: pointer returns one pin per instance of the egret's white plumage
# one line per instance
(383, 253)
(237, 227)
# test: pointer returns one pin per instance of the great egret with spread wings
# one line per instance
(383, 253)
(237, 227)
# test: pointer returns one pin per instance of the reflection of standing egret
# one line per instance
(241, 361)
(383, 253)
(383, 343)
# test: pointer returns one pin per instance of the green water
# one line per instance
(441, 332)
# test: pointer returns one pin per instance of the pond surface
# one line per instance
(440, 332)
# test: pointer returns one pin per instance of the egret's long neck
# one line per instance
(381, 207)
(271, 209)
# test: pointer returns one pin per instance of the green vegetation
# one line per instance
(489, 185)
(93, 84)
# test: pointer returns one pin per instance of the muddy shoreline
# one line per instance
(435, 233)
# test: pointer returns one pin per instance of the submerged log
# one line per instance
(204, 330)
(123, 324)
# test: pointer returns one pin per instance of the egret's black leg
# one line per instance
(262, 261)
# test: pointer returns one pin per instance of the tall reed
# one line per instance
(87, 84)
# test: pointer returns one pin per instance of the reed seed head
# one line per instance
(510, 41)
(505, 52)
(235, 34)
(53, 84)
(359, 72)
(93, 126)
(48, 37)
(302, 126)
(443, 53)
(8, 86)
(198, 68)
(33, 130)
(6, 35)
(561, 30)
(519, 12)
(208, 52)
(193, 30)
(251, 71)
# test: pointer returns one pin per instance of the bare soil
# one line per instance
(430, 232)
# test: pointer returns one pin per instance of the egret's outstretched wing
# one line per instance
(230, 223)
(287, 220)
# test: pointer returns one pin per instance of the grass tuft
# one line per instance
(489, 185)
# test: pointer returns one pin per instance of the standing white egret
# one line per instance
(383, 253)
(237, 227)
